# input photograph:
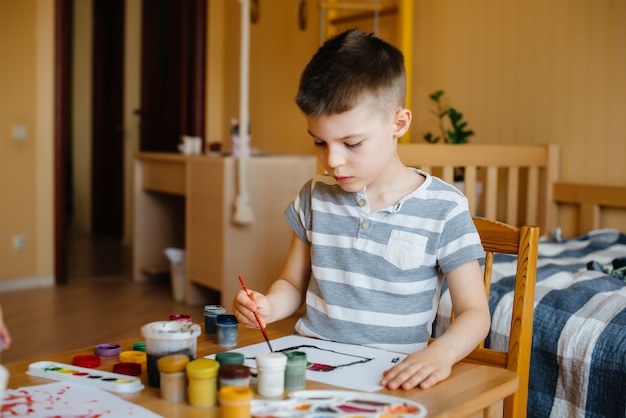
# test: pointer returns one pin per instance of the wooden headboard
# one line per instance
(510, 183)
(590, 200)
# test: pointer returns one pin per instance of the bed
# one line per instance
(578, 359)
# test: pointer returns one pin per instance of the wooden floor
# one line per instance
(99, 304)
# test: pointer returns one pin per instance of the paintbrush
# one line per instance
(256, 315)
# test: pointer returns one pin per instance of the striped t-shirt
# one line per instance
(375, 277)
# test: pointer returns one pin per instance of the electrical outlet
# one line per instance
(20, 132)
(19, 242)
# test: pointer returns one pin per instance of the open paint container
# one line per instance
(168, 337)
(337, 404)
(113, 382)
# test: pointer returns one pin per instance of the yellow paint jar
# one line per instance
(202, 385)
(235, 402)
(173, 380)
(134, 356)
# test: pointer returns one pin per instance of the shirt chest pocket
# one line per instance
(406, 250)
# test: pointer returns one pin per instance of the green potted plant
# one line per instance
(452, 127)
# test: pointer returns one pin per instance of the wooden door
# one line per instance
(107, 177)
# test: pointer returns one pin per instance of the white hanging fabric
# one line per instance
(243, 211)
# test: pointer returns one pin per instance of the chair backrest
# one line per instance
(498, 237)
(510, 183)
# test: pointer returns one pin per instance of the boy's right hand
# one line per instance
(244, 307)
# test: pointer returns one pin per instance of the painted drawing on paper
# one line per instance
(345, 365)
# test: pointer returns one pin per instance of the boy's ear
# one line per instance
(402, 122)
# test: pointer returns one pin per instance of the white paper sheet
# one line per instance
(66, 399)
(352, 366)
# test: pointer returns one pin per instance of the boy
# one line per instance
(371, 236)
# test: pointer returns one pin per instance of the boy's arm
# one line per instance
(470, 327)
(285, 295)
(471, 312)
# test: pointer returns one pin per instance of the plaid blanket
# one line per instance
(578, 360)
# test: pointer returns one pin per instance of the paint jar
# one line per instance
(235, 402)
(227, 330)
(133, 356)
(86, 360)
(295, 372)
(271, 374)
(180, 317)
(168, 337)
(139, 346)
(173, 378)
(229, 357)
(130, 369)
(210, 316)
(107, 350)
(202, 378)
(234, 375)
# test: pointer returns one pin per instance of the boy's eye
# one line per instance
(347, 145)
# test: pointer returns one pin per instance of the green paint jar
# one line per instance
(229, 357)
(295, 372)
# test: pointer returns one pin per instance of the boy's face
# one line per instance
(356, 147)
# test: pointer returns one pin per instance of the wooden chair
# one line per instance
(498, 237)
(515, 181)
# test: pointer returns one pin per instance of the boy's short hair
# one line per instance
(348, 67)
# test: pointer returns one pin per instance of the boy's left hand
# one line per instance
(424, 369)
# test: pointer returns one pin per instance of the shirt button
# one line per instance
(366, 224)
(361, 202)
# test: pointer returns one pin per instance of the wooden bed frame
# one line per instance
(517, 184)
(590, 200)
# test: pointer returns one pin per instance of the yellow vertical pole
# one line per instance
(328, 13)
(405, 17)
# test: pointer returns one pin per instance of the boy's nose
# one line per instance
(334, 156)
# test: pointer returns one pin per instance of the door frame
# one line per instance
(194, 120)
